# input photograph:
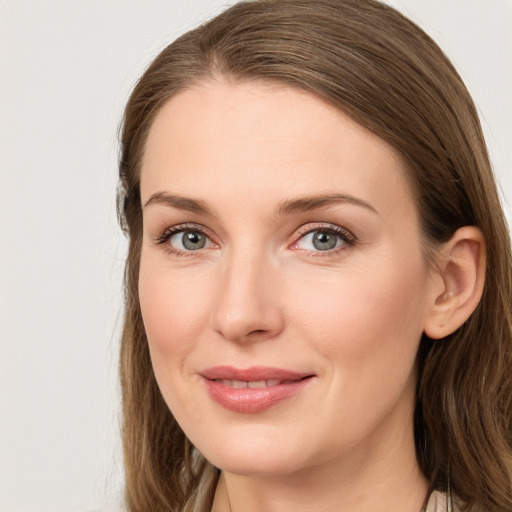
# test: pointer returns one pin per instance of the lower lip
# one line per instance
(253, 400)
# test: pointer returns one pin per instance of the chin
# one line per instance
(261, 466)
(254, 455)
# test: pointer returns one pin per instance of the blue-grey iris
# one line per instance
(324, 241)
(193, 240)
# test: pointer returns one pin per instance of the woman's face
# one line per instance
(282, 282)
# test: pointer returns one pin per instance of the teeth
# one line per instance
(257, 384)
(240, 384)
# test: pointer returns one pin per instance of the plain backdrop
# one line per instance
(66, 69)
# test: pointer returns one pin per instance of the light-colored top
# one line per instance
(440, 502)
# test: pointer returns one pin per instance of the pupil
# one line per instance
(193, 240)
(324, 241)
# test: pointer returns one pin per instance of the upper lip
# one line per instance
(254, 373)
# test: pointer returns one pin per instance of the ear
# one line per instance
(458, 282)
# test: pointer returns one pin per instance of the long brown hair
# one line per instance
(369, 61)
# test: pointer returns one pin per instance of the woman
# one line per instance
(318, 284)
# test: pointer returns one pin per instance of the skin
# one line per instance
(259, 293)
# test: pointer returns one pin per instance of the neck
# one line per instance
(380, 478)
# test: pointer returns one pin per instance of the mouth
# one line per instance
(253, 384)
(255, 389)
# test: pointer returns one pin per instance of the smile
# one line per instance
(253, 384)
(252, 390)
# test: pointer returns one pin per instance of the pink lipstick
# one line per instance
(252, 390)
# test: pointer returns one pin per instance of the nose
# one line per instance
(247, 306)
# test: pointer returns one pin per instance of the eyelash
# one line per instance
(173, 230)
(348, 239)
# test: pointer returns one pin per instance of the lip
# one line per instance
(269, 386)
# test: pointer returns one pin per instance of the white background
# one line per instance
(66, 69)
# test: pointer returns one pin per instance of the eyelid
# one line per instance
(170, 231)
(347, 236)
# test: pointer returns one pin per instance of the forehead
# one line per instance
(259, 138)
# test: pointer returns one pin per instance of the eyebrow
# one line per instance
(305, 204)
(289, 206)
(179, 202)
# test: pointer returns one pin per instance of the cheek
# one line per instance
(173, 307)
(367, 326)
(173, 310)
(366, 315)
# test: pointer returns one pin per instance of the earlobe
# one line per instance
(461, 278)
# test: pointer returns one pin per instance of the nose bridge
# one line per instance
(247, 302)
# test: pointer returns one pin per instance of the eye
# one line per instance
(323, 239)
(320, 241)
(183, 239)
(188, 240)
